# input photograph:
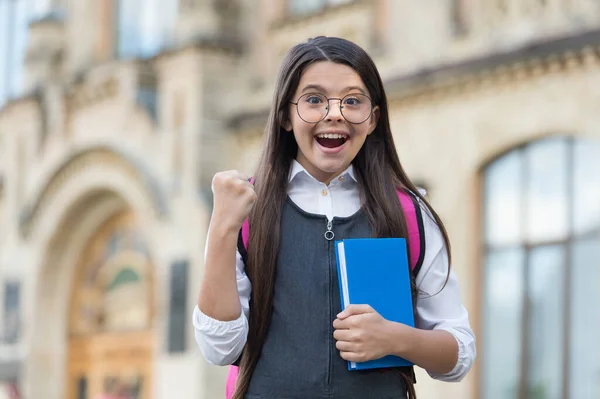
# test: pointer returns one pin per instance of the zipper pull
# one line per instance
(329, 234)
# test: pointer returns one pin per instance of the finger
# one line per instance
(343, 335)
(248, 184)
(244, 176)
(355, 310)
(340, 324)
(350, 356)
(344, 346)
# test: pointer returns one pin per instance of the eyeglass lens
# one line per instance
(313, 107)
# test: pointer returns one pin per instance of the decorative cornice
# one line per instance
(83, 94)
(221, 43)
(79, 161)
(248, 119)
(531, 61)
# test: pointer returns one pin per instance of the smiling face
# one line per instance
(327, 148)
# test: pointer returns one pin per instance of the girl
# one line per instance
(328, 168)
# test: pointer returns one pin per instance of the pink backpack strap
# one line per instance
(414, 223)
(231, 381)
(246, 226)
(245, 233)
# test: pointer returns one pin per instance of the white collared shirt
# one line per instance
(221, 342)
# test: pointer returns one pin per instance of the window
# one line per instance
(305, 7)
(178, 307)
(542, 241)
(13, 34)
(458, 10)
(82, 388)
(145, 27)
(11, 312)
(15, 16)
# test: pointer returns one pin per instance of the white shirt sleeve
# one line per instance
(441, 309)
(222, 342)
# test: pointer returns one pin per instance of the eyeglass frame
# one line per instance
(329, 107)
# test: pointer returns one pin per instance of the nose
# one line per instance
(335, 113)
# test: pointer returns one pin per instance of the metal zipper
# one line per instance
(329, 237)
(329, 234)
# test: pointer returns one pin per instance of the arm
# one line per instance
(443, 342)
(440, 312)
(222, 342)
(220, 323)
(219, 297)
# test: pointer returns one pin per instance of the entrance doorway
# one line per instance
(110, 335)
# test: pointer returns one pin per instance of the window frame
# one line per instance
(567, 243)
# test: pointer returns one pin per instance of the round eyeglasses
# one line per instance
(314, 107)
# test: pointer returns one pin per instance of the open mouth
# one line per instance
(331, 140)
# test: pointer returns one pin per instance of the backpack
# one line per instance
(416, 243)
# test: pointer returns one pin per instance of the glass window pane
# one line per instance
(585, 320)
(502, 316)
(12, 312)
(178, 307)
(547, 211)
(39, 8)
(301, 7)
(20, 44)
(149, 29)
(587, 189)
(144, 31)
(167, 11)
(545, 329)
(129, 31)
(4, 50)
(502, 202)
(82, 388)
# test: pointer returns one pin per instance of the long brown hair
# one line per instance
(377, 168)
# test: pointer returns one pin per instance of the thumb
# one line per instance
(352, 310)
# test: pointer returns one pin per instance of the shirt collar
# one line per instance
(298, 170)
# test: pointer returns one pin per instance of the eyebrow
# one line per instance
(322, 89)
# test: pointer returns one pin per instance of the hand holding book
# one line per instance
(375, 290)
(362, 334)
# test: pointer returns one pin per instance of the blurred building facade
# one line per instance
(116, 114)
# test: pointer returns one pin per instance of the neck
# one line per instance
(322, 176)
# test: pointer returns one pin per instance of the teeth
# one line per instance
(331, 136)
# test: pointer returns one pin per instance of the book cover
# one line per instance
(375, 272)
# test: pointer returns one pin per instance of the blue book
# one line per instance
(375, 272)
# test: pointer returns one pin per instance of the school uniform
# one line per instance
(299, 358)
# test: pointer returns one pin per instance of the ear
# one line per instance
(373, 120)
(287, 125)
